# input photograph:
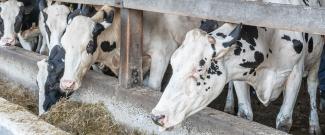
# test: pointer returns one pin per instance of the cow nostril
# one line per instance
(157, 119)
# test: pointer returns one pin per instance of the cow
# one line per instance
(271, 61)
(160, 40)
(52, 24)
(50, 72)
(16, 16)
(51, 68)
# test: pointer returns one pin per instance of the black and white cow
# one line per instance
(49, 74)
(271, 61)
(162, 35)
(14, 18)
(52, 68)
(52, 24)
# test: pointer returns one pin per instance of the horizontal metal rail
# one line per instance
(280, 16)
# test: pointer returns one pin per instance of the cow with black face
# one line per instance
(48, 78)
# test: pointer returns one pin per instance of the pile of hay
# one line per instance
(81, 119)
(18, 95)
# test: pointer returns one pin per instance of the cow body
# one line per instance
(272, 61)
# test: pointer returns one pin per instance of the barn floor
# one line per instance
(267, 115)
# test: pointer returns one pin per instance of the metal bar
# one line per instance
(131, 48)
(287, 17)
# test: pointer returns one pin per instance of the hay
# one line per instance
(18, 95)
(84, 119)
(74, 117)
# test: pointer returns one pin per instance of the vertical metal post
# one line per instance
(131, 48)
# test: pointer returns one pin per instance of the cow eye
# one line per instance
(91, 47)
(50, 67)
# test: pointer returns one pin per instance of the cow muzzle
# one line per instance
(67, 85)
(6, 42)
(158, 120)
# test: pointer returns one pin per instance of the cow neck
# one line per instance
(111, 36)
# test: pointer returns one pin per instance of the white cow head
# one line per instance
(11, 16)
(198, 75)
(53, 22)
(81, 46)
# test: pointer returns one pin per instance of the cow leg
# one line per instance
(39, 43)
(312, 82)
(44, 47)
(244, 100)
(230, 103)
(159, 64)
(284, 118)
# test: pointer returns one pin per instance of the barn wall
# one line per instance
(130, 107)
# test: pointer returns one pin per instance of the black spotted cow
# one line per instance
(53, 22)
(162, 35)
(271, 61)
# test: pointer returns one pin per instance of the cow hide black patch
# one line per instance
(221, 35)
(249, 34)
(107, 46)
(297, 45)
(286, 37)
(310, 45)
(238, 48)
(214, 68)
(91, 47)
(252, 65)
(1, 27)
(202, 62)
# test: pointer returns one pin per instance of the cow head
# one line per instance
(11, 16)
(48, 78)
(53, 22)
(81, 45)
(198, 76)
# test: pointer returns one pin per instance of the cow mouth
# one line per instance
(6, 45)
(159, 120)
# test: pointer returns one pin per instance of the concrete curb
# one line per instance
(15, 120)
(130, 106)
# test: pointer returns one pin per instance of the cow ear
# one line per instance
(107, 19)
(209, 25)
(73, 15)
(233, 36)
